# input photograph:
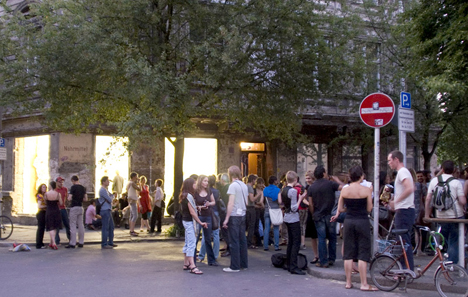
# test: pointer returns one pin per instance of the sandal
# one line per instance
(187, 267)
(315, 260)
(371, 288)
(133, 234)
(195, 270)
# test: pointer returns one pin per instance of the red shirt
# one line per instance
(64, 193)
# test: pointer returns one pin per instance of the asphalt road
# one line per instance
(155, 269)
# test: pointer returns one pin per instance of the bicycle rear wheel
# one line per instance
(452, 282)
(383, 274)
(6, 227)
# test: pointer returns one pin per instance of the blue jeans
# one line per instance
(66, 224)
(404, 219)
(201, 254)
(237, 243)
(206, 237)
(450, 233)
(266, 233)
(326, 229)
(107, 232)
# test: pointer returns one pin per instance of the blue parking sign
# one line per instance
(2, 142)
(405, 100)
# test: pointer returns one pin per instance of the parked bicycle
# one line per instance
(386, 234)
(6, 225)
(386, 270)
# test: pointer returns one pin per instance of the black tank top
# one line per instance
(356, 208)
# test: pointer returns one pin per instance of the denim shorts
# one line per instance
(133, 212)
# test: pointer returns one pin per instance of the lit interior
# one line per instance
(200, 157)
(35, 169)
(252, 146)
(111, 156)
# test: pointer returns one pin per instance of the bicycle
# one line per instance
(6, 225)
(386, 270)
(386, 234)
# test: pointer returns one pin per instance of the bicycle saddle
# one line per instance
(399, 231)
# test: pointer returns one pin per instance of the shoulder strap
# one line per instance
(266, 198)
(242, 191)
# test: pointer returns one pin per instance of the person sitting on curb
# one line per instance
(93, 220)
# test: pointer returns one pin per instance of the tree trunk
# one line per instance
(178, 168)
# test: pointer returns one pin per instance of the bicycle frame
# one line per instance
(438, 256)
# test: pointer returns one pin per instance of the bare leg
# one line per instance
(315, 247)
(52, 237)
(132, 226)
(363, 274)
(348, 266)
(302, 240)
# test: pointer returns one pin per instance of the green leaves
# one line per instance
(144, 68)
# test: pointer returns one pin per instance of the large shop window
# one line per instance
(32, 161)
(200, 157)
(111, 157)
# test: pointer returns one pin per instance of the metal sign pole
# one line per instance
(376, 186)
(402, 145)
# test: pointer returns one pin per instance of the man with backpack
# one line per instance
(445, 195)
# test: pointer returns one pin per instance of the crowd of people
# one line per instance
(102, 213)
(240, 211)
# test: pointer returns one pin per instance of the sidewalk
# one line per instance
(336, 272)
(27, 234)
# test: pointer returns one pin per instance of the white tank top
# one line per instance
(132, 193)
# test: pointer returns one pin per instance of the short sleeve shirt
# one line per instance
(77, 192)
(456, 190)
(322, 192)
(240, 192)
(186, 216)
(408, 202)
(251, 191)
(64, 195)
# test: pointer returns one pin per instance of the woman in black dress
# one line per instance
(357, 236)
(53, 216)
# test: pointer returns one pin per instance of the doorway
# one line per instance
(253, 159)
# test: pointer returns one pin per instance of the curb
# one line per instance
(333, 274)
(33, 244)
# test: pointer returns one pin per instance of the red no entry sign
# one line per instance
(377, 110)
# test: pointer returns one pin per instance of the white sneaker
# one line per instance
(228, 269)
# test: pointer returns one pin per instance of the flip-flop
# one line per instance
(195, 270)
(370, 289)
(350, 287)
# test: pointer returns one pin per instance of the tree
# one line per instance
(413, 39)
(146, 69)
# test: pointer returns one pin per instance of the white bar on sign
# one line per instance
(380, 110)
(408, 113)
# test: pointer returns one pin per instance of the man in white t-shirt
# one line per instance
(235, 221)
(448, 230)
(403, 202)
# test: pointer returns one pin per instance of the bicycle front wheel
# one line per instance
(383, 274)
(452, 282)
(6, 227)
